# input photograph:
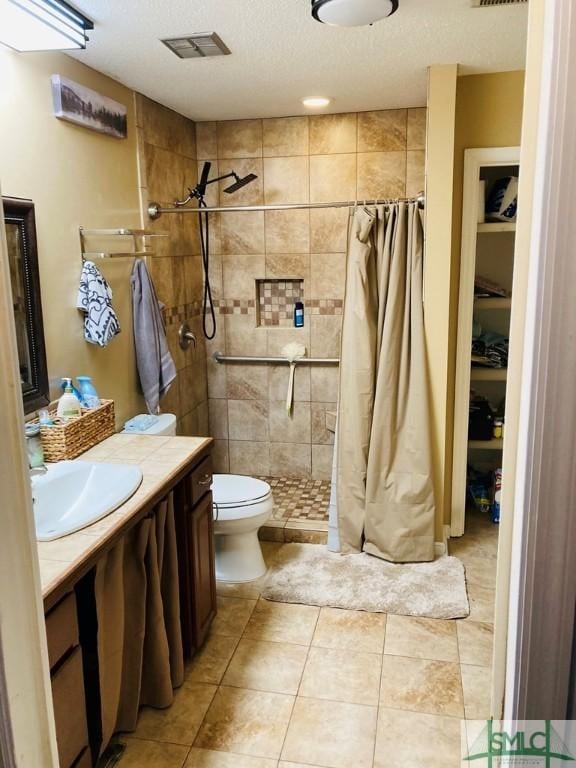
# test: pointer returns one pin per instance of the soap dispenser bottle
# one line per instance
(68, 405)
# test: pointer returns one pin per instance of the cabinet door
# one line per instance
(203, 571)
(182, 511)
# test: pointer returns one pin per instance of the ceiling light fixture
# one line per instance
(316, 102)
(42, 25)
(352, 13)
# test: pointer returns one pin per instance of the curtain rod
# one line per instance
(155, 210)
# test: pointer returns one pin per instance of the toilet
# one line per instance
(242, 505)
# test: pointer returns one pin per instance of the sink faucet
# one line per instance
(35, 471)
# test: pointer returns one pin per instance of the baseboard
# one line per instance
(441, 547)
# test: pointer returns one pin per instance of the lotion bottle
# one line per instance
(68, 405)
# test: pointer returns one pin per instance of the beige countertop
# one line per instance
(160, 458)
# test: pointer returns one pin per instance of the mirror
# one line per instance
(25, 278)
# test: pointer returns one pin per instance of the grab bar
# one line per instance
(220, 358)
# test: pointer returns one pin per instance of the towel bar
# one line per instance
(220, 358)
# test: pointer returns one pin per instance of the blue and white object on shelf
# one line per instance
(502, 203)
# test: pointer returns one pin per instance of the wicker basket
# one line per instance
(68, 439)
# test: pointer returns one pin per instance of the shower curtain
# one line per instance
(384, 500)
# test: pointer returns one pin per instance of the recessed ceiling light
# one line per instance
(352, 13)
(316, 102)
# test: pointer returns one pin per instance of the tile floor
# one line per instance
(300, 510)
(282, 686)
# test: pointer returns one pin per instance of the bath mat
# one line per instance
(310, 574)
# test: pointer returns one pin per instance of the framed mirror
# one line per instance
(25, 278)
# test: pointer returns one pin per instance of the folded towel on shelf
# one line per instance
(156, 367)
(95, 300)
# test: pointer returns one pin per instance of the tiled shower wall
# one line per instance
(167, 166)
(297, 159)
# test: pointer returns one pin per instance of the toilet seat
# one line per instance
(238, 496)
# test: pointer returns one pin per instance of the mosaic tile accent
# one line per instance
(178, 315)
(235, 306)
(276, 299)
(300, 499)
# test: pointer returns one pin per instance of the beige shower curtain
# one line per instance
(385, 500)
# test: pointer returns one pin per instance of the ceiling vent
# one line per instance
(492, 3)
(197, 46)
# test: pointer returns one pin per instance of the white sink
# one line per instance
(75, 494)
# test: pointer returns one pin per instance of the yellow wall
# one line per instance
(75, 177)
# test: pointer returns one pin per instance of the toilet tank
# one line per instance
(165, 424)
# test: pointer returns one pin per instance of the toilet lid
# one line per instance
(238, 490)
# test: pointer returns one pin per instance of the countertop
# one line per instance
(160, 458)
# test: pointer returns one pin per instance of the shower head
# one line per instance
(239, 183)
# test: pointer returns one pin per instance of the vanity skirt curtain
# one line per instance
(385, 499)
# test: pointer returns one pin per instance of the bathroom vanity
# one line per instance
(175, 468)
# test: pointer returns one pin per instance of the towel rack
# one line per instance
(220, 358)
(137, 236)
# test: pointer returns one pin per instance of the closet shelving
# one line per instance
(487, 251)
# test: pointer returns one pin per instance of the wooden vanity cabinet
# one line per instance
(195, 533)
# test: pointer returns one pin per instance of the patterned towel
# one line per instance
(95, 300)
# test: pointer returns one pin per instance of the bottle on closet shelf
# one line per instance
(298, 314)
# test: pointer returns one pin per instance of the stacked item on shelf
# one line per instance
(489, 349)
(486, 288)
(483, 489)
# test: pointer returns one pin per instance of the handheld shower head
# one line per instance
(239, 183)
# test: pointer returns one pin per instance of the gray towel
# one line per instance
(155, 364)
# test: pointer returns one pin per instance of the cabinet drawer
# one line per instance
(201, 479)
(70, 709)
(62, 629)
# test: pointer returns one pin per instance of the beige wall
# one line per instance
(167, 162)
(300, 159)
(75, 177)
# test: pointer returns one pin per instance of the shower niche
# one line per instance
(275, 299)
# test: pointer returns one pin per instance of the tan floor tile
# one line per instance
(420, 685)
(482, 601)
(475, 640)
(480, 570)
(206, 758)
(232, 617)
(179, 723)
(356, 630)
(476, 684)
(265, 666)
(421, 638)
(342, 675)
(282, 622)
(247, 722)
(331, 734)
(249, 590)
(416, 740)
(210, 662)
(284, 764)
(152, 754)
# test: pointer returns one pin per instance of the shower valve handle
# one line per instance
(186, 337)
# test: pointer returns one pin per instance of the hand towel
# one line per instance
(95, 300)
(156, 367)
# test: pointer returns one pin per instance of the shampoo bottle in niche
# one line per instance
(68, 405)
(298, 314)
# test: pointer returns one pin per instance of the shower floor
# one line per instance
(300, 510)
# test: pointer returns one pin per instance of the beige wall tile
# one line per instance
(329, 230)
(290, 459)
(240, 273)
(265, 666)
(381, 175)
(322, 462)
(342, 675)
(247, 382)
(240, 138)
(218, 418)
(161, 274)
(242, 232)
(246, 722)
(165, 128)
(414, 740)
(294, 428)
(220, 457)
(287, 231)
(332, 178)
(252, 193)
(382, 131)
(417, 128)
(286, 180)
(249, 458)
(350, 630)
(321, 435)
(331, 134)
(217, 374)
(279, 337)
(278, 383)
(285, 136)
(248, 419)
(242, 336)
(328, 275)
(325, 336)
(193, 278)
(331, 733)
(324, 383)
(288, 265)
(420, 685)
(206, 140)
(164, 175)
(415, 173)
(421, 638)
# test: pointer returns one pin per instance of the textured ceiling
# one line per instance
(280, 54)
